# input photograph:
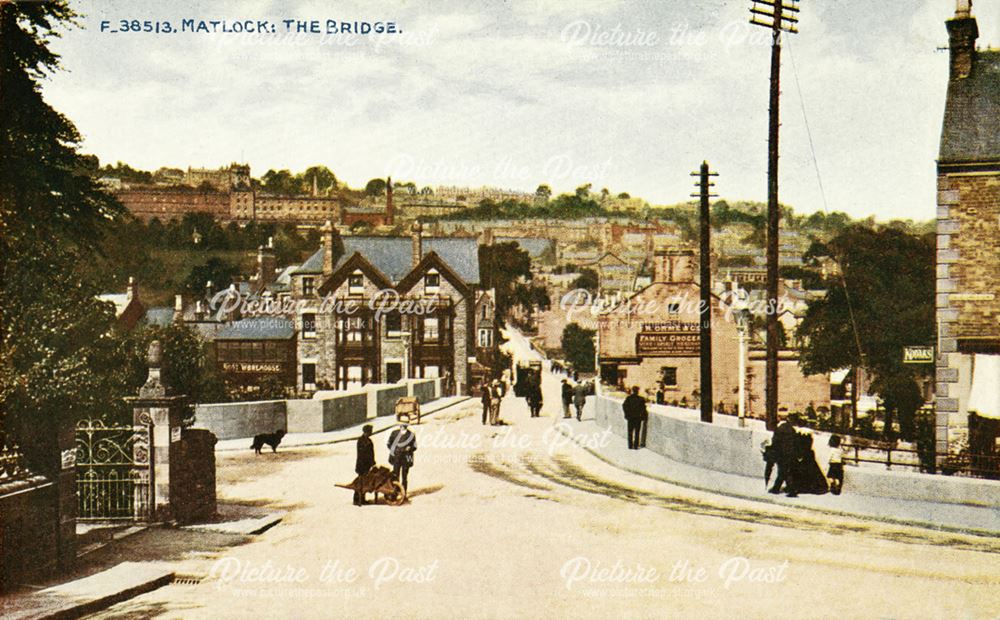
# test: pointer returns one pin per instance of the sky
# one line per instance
(631, 96)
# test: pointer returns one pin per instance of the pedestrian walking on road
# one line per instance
(567, 398)
(783, 448)
(365, 460)
(496, 396)
(402, 444)
(534, 398)
(634, 409)
(579, 399)
(486, 398)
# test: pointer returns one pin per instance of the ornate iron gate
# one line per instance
(111, 471)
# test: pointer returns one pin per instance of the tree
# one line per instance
(543, 193)
(500, 265)
(624, 196)
(587, 280)
(889, 276)
(375, 187)
(280, 182)
(578, 347)
(53, 330)
(215, 270)
(583, 191)
(324, 178)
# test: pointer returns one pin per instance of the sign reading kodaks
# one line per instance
(918, 355)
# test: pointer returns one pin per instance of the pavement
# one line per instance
(976, 520)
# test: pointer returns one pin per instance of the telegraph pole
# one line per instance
(781, 14)
(705, 309)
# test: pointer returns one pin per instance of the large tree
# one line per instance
(888, 303)
(53, 330)
(500, 267)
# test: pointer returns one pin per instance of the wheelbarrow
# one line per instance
(378, 480)
(408, 410)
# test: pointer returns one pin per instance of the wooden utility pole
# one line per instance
(705, 308)
(781, 16)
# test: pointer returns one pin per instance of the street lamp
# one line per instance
(741, 309)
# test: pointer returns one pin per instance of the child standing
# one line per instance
(835, 467)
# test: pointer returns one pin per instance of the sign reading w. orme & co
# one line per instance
(668, 339)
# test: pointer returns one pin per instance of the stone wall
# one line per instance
(234, 420)
(425, 390)
(192, 477)
(679, 435)
(29, 522)
(385, 399)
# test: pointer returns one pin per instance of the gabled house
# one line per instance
(381, 309)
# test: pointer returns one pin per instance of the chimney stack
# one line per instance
(326, 233)
(418, 250)
(178, 308)
(962, 34)
(389, 211)
(266, 264)
(674, 266)
(199, 311)
(132, 293)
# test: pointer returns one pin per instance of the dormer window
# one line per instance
(432, 283)
(356, 283)
(308, 287)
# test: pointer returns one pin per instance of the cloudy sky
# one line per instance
(631, 96)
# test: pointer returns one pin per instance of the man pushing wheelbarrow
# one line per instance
(372, 478)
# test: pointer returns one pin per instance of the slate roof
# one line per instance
(257, 328)
(971, 128)
(392, 255)
(160, 316)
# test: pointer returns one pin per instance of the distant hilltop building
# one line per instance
(474, 195)
(227, 194)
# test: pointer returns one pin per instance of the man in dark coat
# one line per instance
(567, 398)
(402, 444)
(486, 400)
(534, 398)
(784, 447)
(634, 409)
(365, 460)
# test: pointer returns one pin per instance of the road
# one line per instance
(517, 521)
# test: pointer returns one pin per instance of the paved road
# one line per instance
(515, 521)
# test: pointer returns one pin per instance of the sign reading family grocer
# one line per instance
(668, 339)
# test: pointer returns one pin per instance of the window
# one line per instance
(308, 325)
(393, 325)
(393, 372)
(432, 283)
(673, 308)
(354, 329)
(669, 375)
(485, 310)
(355, 283)
(485, 338)
(309, 376)
(308, 287)
(431, 372)
(431, 330)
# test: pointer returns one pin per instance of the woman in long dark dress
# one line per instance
(808, 476)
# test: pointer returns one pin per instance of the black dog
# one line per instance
(269, 439)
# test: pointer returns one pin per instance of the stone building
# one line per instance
(381, 309)
(653, 337)
(968, 226)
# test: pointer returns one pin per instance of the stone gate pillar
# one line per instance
(157, 418)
